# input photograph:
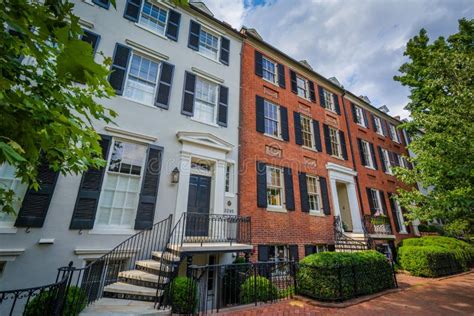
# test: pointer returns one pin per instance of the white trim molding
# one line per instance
(114, 131)
(10, 254)
(205, 139)
(145, 50)
(207, 75)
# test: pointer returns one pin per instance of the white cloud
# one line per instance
(360, 42)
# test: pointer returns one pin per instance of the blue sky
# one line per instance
(361, 42)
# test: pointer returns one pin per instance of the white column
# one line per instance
(219, 188)
(355, 211)
(183, 185)
(335, 199)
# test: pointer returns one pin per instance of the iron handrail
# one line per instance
(382, 228)
(342, 238)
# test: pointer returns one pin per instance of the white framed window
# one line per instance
(9, 181)
(360, 116)
(307, 131)
(208, 44)
(378, 125)
(272, 119)
(367, 153)
(335, 142)
(400, 219)
(279, 253)
(386, 160)
(205, 101)
(153, 17)
(314, 194)
(394, 133)
(329, 100)
(275, 187)
(376, 202)
(121, 189)
(302, 87)
(142, 78)
(270, 70)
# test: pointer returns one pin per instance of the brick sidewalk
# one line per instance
(451, 296)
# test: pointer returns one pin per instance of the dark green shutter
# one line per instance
(294, 256)
(324, 195)
(303, 192)
(263, 251)
(223, 106)
(371, 202)
(312, 93)
(260, 112)
(317, 136)
(91, 38)
(372, 153)
(384, 128)
(188, 99)
(285, 134)
(87, 199)
(382, 160)
(294, 85)
(258, 64)
(322, 101)
(261, 184)
(394, 212)
(289, 192)
(132, 10)
(354, 112)
(336, 104)
(361, 152)
(343, 145)
(281, 76)
(193, 39)
(149, 190)
(327, 139)
(298, 132)
(382, 199)
(366, 119)
(172, 28)
(225, 51)
(119, 67)
(373, 122)
(35, 204)
(164, 85)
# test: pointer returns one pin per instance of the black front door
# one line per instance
(197, 223)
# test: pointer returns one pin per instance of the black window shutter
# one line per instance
(132, 10)
(322, 101)
(324, 195)
(263, 251)
(258, 64)
(285, 135)
(366, 119)
(119, 67)
(312, 94)
(382, 160)
(336, 104)
(303, 192)
(149, 191)
(309, 250)
(188, 99)
(361, 153)
(372, 153)
(172, 28)
(327, 139)
(317, 136)
(260, 110)
(289, 192)
(281, 76)
(354, 112)
(373, 122)
(294, 85)
(36, 203)
(392, 158)
(384, 128)
(102, 3)
(225, 51)
(164, 85)
(261, 184)
(193, 39)
(294, 253)
(223, 106)
(394, 212)
(371, 202)
(87, 199)
(382, 199)
(343, 145)
(298, 133)
(91, 38)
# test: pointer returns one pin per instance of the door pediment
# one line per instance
(205, 139)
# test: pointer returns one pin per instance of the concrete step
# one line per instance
(120, 307)
(167, 256)
(123, 290)
(142, 278)
(153, 266)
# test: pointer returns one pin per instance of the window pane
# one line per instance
(153, 17)
(269, 70)
(9, 181)
(271, 119)
(141, 80)
(208, 44)
(306, 131)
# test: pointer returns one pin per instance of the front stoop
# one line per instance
(118, 307)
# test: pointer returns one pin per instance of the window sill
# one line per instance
(310, 149)
(274, 137)
(118, 231)
(361, 125)
(331, 110)
(8, 230)
(151, 31)
(370, 168)
(317, 214)
(403, 233)
(276, 209)
(273, 83)
(337, 157)
(202, 122)
(141, 103)
(211, 59)
(303, 98)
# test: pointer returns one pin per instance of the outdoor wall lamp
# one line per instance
(175, 175)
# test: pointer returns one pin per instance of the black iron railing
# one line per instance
(345, 243)
(41, 300)
(377, 225)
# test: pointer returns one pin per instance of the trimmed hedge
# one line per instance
(75, 302)
(434, 256)
(183, 295)
(266, 291)
(337, 276)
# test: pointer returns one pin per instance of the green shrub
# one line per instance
(183, 295)
(266, 291)
(339, 275)
(76, 301)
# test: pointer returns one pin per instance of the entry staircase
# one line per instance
(350, 242)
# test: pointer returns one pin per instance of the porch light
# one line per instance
(175, 175)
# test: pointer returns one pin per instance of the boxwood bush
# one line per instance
(41, 304)
(337, 276)
(434, 256)
(182, 294)
(265, 289)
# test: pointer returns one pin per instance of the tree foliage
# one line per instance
(440, 77)
(49, 91)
